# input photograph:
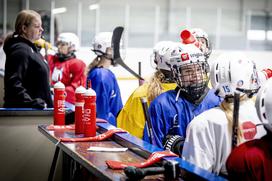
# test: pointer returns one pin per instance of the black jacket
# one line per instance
(26, 75)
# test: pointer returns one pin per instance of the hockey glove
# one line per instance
(174, 143)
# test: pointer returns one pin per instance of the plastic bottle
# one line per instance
(89, 116)
(79, 110)
(187, 38)
(59, 103)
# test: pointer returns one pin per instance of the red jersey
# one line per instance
(251, 160)
(71, 73)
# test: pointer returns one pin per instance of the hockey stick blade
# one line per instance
(115, 41)
(116, 37)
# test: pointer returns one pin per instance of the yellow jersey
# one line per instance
(131, 117)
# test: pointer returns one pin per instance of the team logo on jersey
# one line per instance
(240, 83)
(57, 74)
(249, 130)
(184, 56)
(113, 94)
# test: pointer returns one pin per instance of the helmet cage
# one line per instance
(192, 78)
(199, 33)
(189, 69)
(208, 50)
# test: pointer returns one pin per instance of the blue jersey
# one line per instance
(108, 97)
(171, 116)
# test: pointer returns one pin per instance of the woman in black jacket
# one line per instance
(26, 72)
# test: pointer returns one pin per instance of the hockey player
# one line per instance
(64, 65)
(252, 160)
(264, 75)
(103, 81)
(198, 37)
(172, 111)
(209, 135)
(203, 38)
(131, 117)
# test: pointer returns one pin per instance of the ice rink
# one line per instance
(128, 83)
(132, 56)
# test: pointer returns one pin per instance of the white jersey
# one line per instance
(208, 138)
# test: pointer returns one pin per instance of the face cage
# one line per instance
(192, 78)
(208, 52)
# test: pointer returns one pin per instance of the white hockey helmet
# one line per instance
(183, 54)
(200, 33)
(101, 42)
(263, 104)
(234, 72)
(190, 69)
(161, 54)
(71, 39)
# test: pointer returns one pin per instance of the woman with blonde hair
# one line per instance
(26, 72)
(131, 117)
(211, 135)
(102, 79)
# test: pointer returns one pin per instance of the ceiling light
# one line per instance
(59, 10)
(94, 6)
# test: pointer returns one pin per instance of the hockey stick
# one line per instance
(235, 119)
(147, 119)
(115, 44)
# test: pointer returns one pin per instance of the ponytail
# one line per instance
(154, 88)
(227, 107)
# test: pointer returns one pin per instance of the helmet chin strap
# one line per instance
(108, 57)
(64, 57)
(249, 93)
(193, 98)
(99, 53)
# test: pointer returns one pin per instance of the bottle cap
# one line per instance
(90, 92)
(59, 85)
(80, 90)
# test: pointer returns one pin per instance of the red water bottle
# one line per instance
(59, 103)
(89, 116)
(188, 38)
(79, 109)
